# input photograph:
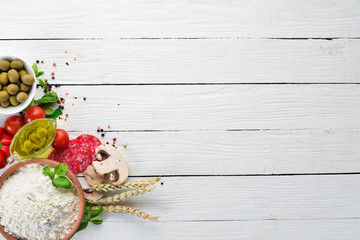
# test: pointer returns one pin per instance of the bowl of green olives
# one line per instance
(17, 84)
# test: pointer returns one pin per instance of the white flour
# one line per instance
(32, 208)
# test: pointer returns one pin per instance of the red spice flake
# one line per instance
(63, 100)
(118, 104)
(65, 51)
(108, 126)
(58, 101)
(74, 59)
(66, 93)
(54, 64)
(75, 97)
(53, 77)
(84, 98)
(73, 104)
(98, 128)
(114, 139)
(60, 118)
(67, 63)
(52, 74)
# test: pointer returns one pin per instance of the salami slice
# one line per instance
(78, 154)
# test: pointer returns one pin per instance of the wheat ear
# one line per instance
(126, 210)
(106, 187)
(122, 196)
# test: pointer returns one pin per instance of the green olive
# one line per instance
(22, 73)
(4, 65)
(13, 101)
(17, 65)
(13, 76)
(4, 96)
(28, 79)
(24, 87)
(21, 97)
(4, 78)
(13, 89)
(5, 104)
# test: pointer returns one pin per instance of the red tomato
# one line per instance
(61, 140)
(6, 139)
(2, 130)
(33, 113)
(5, 150)
(3, 162)
(13, 124)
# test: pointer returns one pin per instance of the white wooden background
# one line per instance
(249, 110)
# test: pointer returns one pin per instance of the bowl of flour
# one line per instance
(32, 208)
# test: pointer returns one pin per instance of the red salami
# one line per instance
(79, 153)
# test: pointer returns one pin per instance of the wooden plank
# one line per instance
(244, 152)
(211, 107)
(195, 18)
(132, 61)
(278, 230)
(237, 153)
(250, 198)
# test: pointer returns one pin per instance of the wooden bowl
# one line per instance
(72, 177)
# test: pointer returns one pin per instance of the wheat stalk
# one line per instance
(106, 187)
(126, 210)
(122, 196)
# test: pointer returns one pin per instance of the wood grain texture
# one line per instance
(238, 152)
(249, 198)
(332, 229)
(132, 61)
(192, 18)
(211, 107)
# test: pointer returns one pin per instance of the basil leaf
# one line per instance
(82, 226)
(97, 222)
(61, 169)
(52, 175)
(87, 218)
(62, 182)
(35, 68)
(96, 212)
(87, 209)
(1, 144)
(56, 113)
(48, 172)
(43, 84)
(47, 98)
(87, 203)
(48, 110)
(38, 74)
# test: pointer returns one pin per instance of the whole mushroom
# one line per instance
(111, 162)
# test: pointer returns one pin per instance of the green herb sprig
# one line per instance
(89, 216)
(58, 177)
(38, 74)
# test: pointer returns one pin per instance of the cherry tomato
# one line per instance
(13, 124)
(3, 162)
(33, 113)
(61, 140)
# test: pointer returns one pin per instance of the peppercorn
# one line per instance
(84, 98)
(37, 61)
(101, 130)
(103, 135)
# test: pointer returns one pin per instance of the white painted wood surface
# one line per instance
(190, 61)
(248, 109)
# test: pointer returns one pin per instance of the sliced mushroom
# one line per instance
(92, 177)
(111, 162)
(93, 195)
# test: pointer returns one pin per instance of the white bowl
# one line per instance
(31, 94)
